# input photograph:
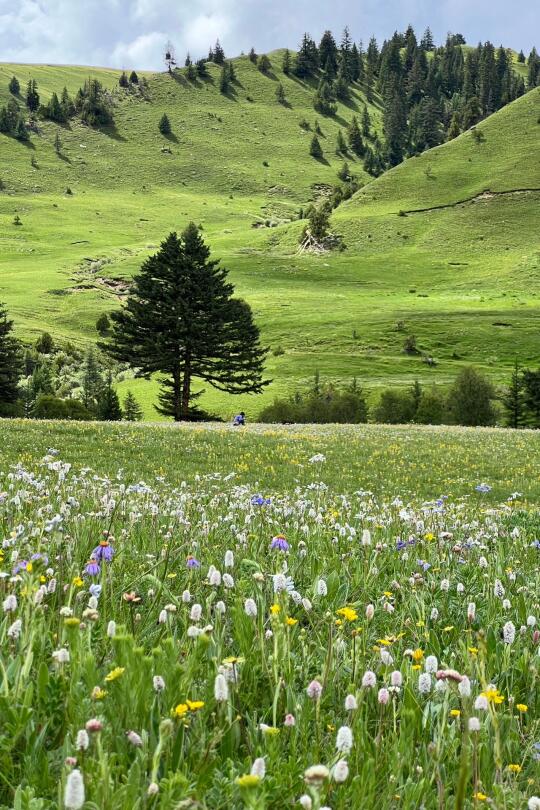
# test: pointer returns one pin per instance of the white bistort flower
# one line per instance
(344, 740)
(74, 793)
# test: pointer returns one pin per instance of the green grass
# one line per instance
(391, 587)
(471, 266)
(418, 462)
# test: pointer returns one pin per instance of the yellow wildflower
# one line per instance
(195, 705)
(115, 673)
(248, 780)
(429, 536)
(275, 609)
(455, 713)
(180, 710)
(349, 614)
(290, 621)
(521, 707)
(473, 650)
(72, 621)
(78, 582)
(480, 797)
(493, 696)
(514, 768)
(417, 655)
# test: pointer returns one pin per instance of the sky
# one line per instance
(133, 33)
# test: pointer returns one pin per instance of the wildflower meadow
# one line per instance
(321, 618)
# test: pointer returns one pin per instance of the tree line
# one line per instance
(471, 400)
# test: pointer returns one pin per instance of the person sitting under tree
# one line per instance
(239, 419)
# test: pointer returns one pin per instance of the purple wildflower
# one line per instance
(483, 488)
(258, 500)
(191, 562)
(104, 551)
(279, 543)
(92, 568)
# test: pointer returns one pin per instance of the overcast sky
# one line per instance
(132, 33)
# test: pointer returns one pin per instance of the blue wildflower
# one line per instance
(483, 488)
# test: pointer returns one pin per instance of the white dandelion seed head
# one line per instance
(474, 724)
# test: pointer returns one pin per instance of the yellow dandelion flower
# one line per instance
(181, 710)
(514, 768)
(98, 694)
(275, 609)
(473, 650)
(388, 594)
(348, 613)
(480, 797)
(290, 621)
(429, 536)
(455, 713)
(493, 696)
(78, 582)
(195, 705)
(416, 667)
(521, 707)
(418, 654)
(115, 673)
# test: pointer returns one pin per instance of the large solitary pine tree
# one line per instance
(181, 319)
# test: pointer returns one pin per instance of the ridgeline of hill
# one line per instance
(433, 248)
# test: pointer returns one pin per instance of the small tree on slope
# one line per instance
(180, 319)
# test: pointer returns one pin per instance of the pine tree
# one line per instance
(324, 100)
(355, 138)
(341, 146)
(265, 65)
(307, 59)
(280, 94)
(346, 56)
(108, 404)
(219, 54)
(513, 399)
(471, 113)
(315, 148)
(32, 96)
(426, 43)
(328, 54)
(521, 58)
(45, 343)
(15, 87)
(455, 126)
(344, 172)
(165, 125)
(286, 64)
(181, 320)
(91, 380)
(357, 63)
(341, 85)
(253, 56)
(533, 75)
(123, 81)
(133, 78)
(395, 125)
(366, 123)
(10, 360)
(132, 409)
(224, 79)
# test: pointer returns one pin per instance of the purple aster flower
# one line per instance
(279, 543)
(258, 500)
(536, 544)
(104, 551)
(95, 590)
(92, 568)
(191, 562)
(20, 566)
(483, 488)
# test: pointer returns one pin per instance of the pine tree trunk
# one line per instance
(186, 387)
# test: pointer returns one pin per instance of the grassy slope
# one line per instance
(335, 313)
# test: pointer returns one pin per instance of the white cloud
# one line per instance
(122, 32)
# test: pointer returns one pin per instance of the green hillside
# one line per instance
(240, 163)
